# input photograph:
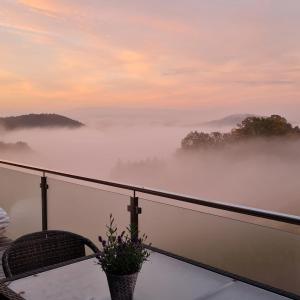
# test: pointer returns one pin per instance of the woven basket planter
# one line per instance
(121, 286)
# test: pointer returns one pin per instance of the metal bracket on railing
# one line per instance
(134, 210)
(44, 187)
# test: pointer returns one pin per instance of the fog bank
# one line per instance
(262, 174)
(144, 151)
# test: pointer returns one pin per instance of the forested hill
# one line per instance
(37, 121)
(266, 128)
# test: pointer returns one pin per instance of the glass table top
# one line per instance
(162, 278)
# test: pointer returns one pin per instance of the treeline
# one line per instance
(38, 120)
(274, 126)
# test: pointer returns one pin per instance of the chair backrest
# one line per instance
(42, 249)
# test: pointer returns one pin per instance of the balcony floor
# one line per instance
(161, 278)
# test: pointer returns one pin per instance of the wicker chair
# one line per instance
(41, 249)
(8, 294)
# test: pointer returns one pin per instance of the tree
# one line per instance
(251, 127)
(195, 140)
(265, 127)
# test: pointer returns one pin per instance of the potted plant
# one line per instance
(121, 259)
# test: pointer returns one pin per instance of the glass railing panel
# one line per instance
(267, 255)
(20, 197)
(83, 209)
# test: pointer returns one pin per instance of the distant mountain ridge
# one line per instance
(231, 120)
(38, 121)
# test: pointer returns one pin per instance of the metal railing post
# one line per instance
(44, 187)
(134, 210)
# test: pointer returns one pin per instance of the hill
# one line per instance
(231, 120)
(266, 128)
(38, 121)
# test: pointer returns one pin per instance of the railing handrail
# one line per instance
(245, 210)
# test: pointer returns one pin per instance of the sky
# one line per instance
(211, 55)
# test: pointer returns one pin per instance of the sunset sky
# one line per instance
(219, 55)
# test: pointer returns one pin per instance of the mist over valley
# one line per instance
(146, 150)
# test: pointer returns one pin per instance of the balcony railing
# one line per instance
(256, 246)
